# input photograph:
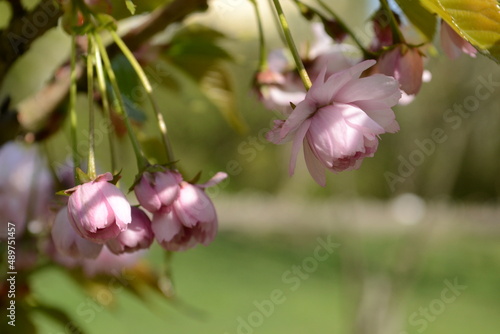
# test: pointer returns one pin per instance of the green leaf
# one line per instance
(215, 91)
(218, 87)
(195, 49)
(130, 6)
(131, 89)
(419, 16)
(477, 21)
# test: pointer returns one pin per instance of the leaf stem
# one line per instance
(149, 90)
(72, 110)
(397, 35)
(101, 80)
(120, 105)
(91, 171)
(291, 45)
(262, 42)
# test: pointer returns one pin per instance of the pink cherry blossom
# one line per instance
(98, 210)
(453, 44)
(406, 65)
(157, 190)
(138, 235)
(192, 219)
(339, 121)
(25, 186)
(68, 242)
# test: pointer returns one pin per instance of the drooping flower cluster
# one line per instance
(339, 121)
(98, 216)
(183, 215)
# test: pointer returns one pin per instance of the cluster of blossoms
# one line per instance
(338, 121)
(98, 215)
(97, 221)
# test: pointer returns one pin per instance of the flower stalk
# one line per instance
(149, 92)
(120, 105)
(72, 110)
(262, 42)
(396, 32)
(101, 81)
(90, 89)
(291, 45)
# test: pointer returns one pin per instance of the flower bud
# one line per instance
(68, 242)
(138, 235)
(158, 190)
(192, 219)
(406, 65)
(98, 210)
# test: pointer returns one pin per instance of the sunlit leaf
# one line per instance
(195, 49)
(478, 21)
(130, 6)
(420, 17)
(215, 91)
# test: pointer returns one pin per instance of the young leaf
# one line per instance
(476, 21)
(130, 6)
(419, 16)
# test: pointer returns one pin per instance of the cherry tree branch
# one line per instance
(56, 91)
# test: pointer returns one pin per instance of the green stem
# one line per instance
(120, 106)
(397, 35)
(101, 80)
(147, 86)
(91, 172)
(72, 110)
(262, 43)
(343, 25)
(291, 45)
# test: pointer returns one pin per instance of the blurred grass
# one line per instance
(220, 283)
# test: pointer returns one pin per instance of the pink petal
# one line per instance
(216, 179)
(377, 87)
(358, 119)
(119, 205)
(167, 186)
(165, 226)
(316, 169)
(302, 112)
(146, 195)
(297, 142)
(380, 113)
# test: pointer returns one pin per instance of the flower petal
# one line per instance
(165, 226)
(297, 142)
(316, 169)
(216, 179)
(375, 88)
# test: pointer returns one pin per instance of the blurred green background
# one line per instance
(397, 253)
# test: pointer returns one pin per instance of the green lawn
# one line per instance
(220, 286)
